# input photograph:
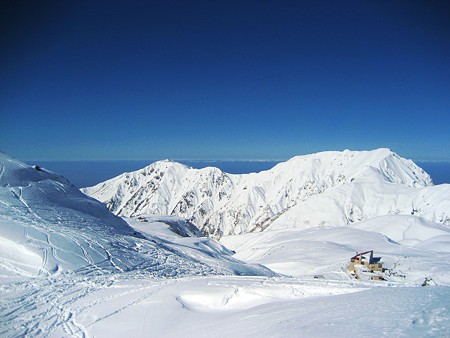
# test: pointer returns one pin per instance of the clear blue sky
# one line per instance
(223, 79)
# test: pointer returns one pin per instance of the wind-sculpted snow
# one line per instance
(225, 306)
(48, 226)
(329, 188)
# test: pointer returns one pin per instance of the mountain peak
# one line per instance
(220, 203)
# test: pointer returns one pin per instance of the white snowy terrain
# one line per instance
(45, 219)
(52, 233)
(69, 267)
(329, 188)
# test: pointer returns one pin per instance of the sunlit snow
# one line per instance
(69, 267)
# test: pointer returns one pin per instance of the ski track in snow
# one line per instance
(157, 288)
(43, 305)
(76, 306)
(21, 199)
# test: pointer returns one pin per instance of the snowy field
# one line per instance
(114, 304)
(70, 268)
(121, 305)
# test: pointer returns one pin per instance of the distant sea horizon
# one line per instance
(89, 173)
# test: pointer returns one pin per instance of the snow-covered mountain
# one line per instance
(328, 188)
(48, 226)
(69, 267)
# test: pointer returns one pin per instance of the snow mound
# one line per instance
(224, 297)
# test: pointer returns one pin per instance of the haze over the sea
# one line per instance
(89, 173)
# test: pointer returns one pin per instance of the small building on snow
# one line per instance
(365, 263)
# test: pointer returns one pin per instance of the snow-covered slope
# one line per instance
(367, 197)
(411, 248)
(329, 188)
(235, 306)
(48, 226)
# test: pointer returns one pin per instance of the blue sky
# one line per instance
(87, 80)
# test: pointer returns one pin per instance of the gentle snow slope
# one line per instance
(244, 307)
(329, 188)
(410, 255)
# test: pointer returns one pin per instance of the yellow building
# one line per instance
(365, 262)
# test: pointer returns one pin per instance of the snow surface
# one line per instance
(125, 305)
(326, 251)
(68, 267)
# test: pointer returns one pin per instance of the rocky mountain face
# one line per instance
(328, 188)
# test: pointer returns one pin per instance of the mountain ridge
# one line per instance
(223, 204)
(48, 226)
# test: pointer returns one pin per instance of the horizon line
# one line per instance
(161, 159)
(197, 160)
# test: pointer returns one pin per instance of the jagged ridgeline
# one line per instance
(328, 189)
